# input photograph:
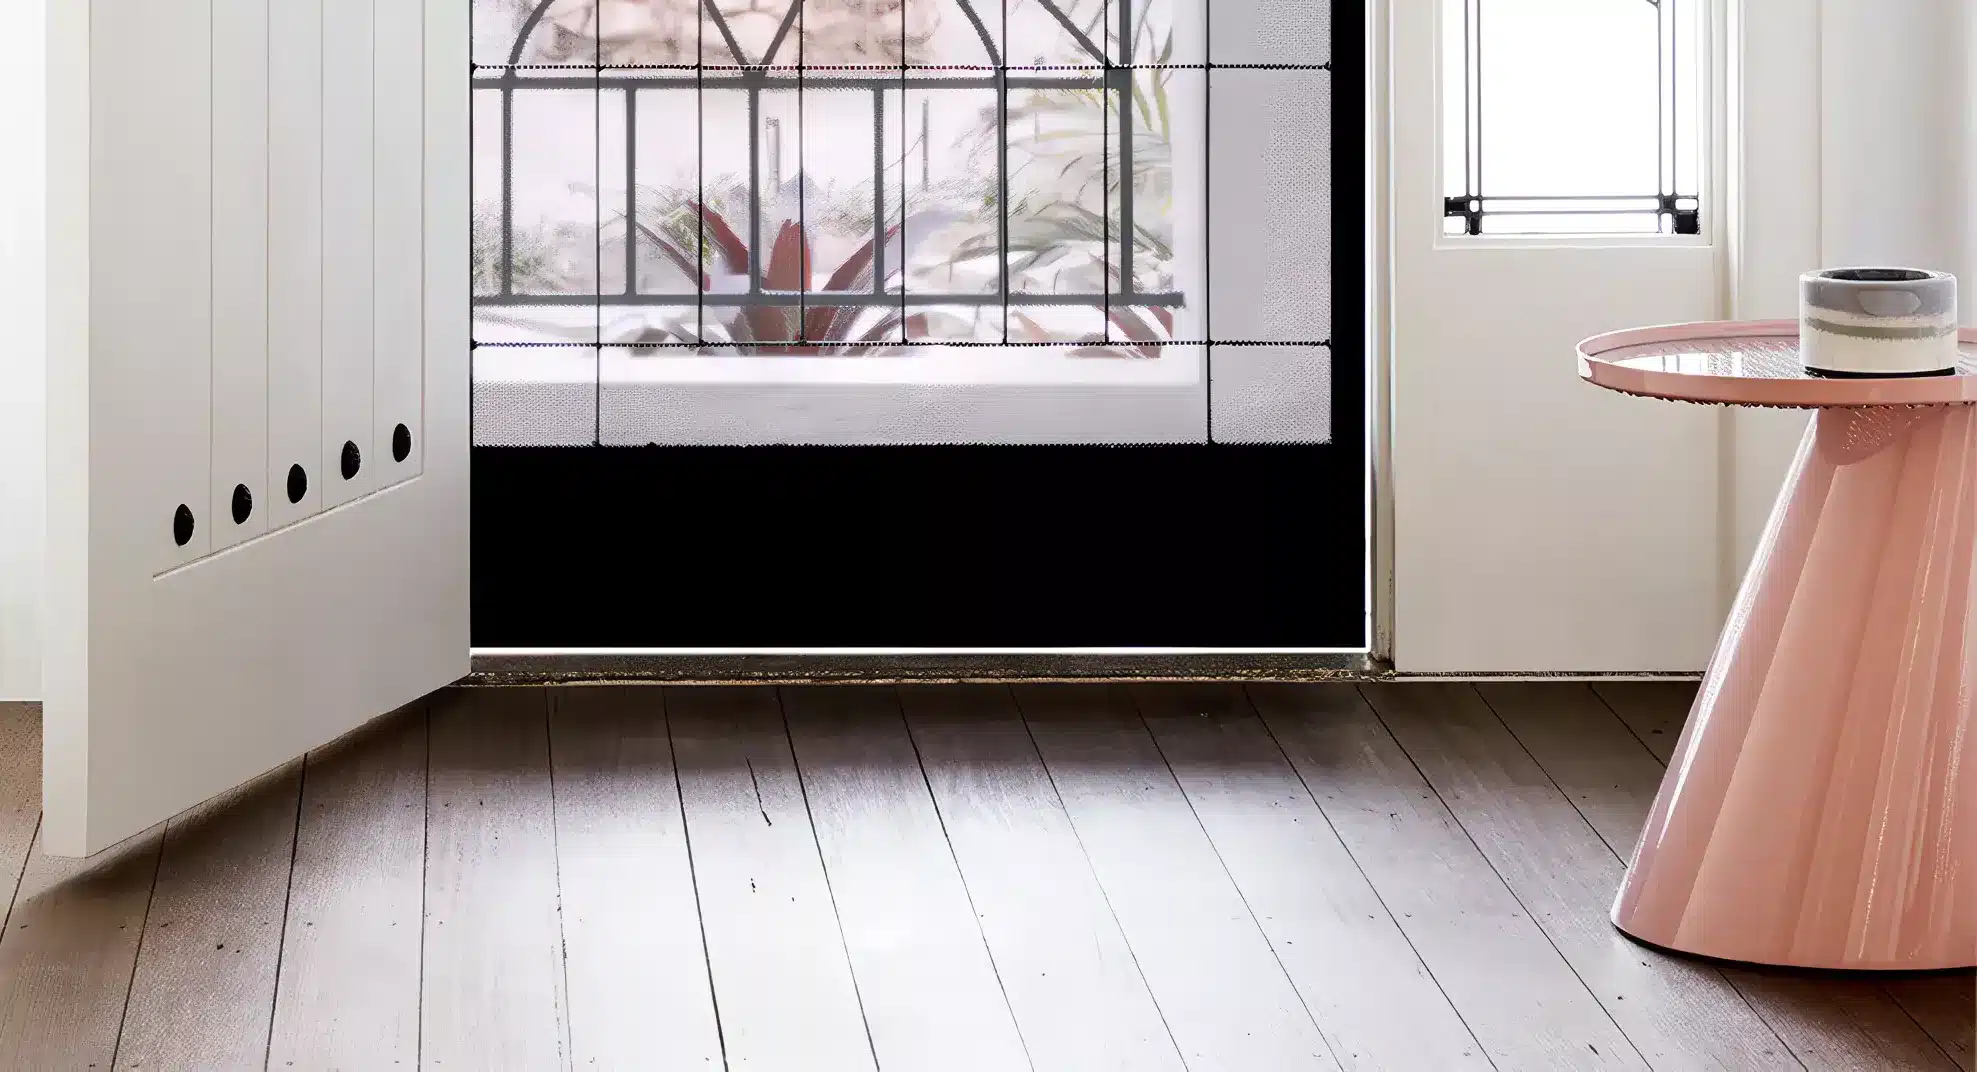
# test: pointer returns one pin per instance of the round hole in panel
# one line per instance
(401, 443)
(298, 483)
(182, 525)
(243, 504)
(353, 460)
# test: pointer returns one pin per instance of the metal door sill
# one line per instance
(504, 667)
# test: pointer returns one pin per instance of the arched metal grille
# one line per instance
(754, 286)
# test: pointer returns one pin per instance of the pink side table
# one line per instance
(1821, 808)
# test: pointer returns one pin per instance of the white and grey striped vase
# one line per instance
(1877, 322)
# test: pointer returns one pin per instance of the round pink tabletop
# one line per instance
(1754, 363)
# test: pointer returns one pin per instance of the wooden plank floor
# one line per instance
(1163, 877)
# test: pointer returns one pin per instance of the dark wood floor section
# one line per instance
(1173, 878)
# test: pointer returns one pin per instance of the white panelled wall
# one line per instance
(1879, 172)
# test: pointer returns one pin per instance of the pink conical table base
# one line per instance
(1821, 809)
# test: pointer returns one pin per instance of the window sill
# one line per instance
(580, 395)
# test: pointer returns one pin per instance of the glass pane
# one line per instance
(1457, 91)
(535, 214)
(1570, 91)
(1158, 106)
(953, 33)
(1152, 27)
(1056, 33)
(952, 233)
(660, 33)
(845, 308)
(1061, 246)
(509, 31)
(1570, 101)
(535, 396)
(1686, 92)
(751, 218)
(1570, 223)
(650, 268)
(487, 183)
(1270, 271)
(750, 32)
(864, 33)
(907, 187)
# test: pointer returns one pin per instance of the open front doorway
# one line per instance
(922, 324)
(1013, 330)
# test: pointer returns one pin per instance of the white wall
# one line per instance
(1837, 164)
(1540, 536)
(1539, 524)
(1773, 96)
(22, 165)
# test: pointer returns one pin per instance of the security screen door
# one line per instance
(257, 389)
(918, 324)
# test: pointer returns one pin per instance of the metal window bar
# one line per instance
(1675, 211)
(879, 186)
(631, 192)
(1113, 80)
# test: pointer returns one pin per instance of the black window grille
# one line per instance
(1133, 314)
(1672, 209)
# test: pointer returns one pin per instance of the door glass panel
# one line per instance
(1571, 117)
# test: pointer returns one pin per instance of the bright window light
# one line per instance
(1571, 117)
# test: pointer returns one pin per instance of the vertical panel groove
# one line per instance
(295, 259)
(240, 116)
(350, 246)
(398, 173)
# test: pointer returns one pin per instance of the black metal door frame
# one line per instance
(1196, 547)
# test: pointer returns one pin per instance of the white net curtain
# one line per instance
(900, 221)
